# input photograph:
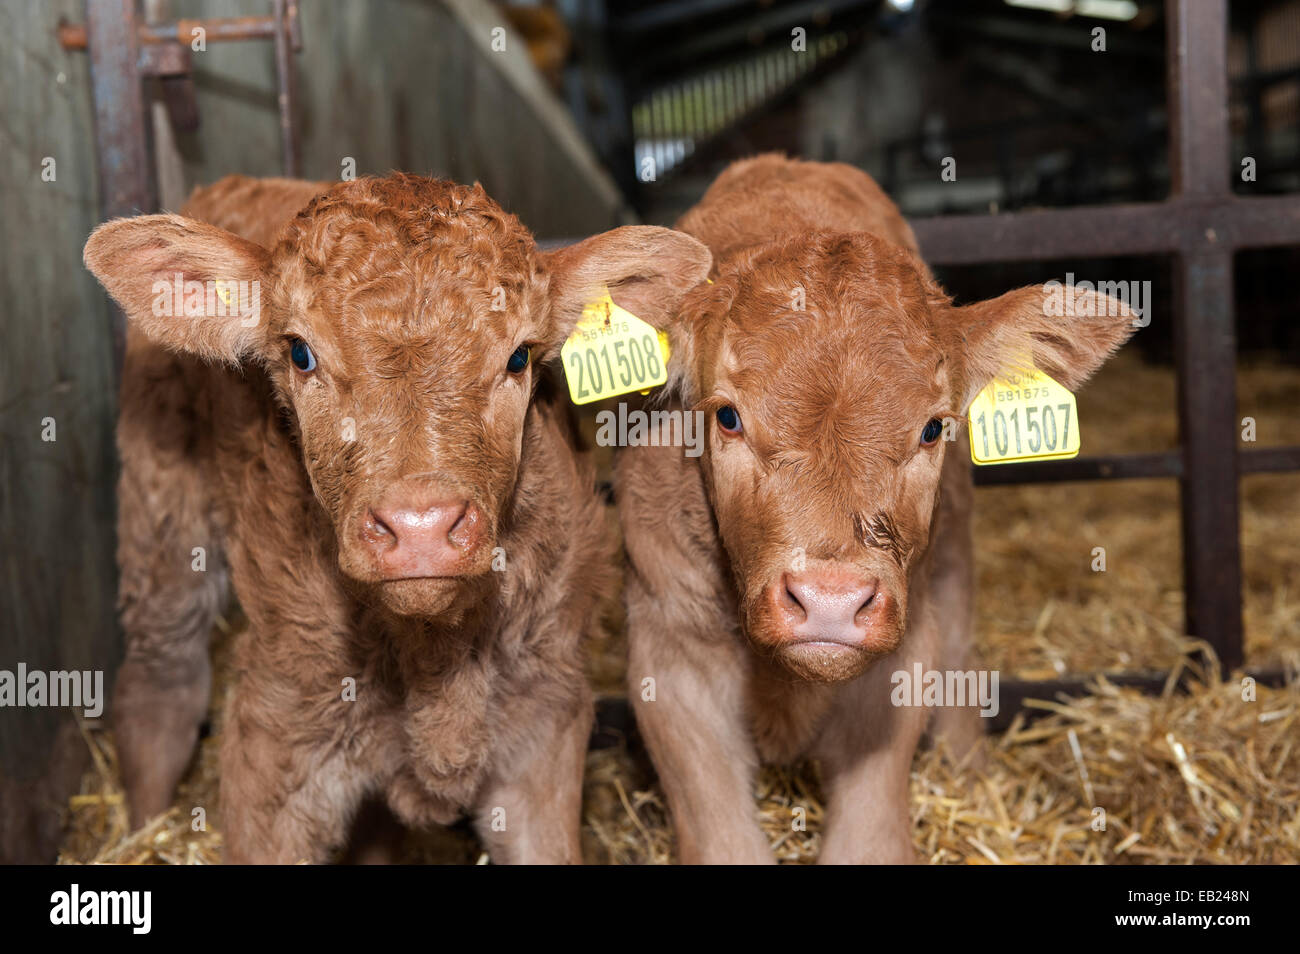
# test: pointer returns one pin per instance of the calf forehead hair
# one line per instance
(409, 243)
(829, 342)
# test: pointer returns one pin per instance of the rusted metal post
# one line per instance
(122, 140)
(1205, 335)
(128, 50)
(285, 13)
(72, 36)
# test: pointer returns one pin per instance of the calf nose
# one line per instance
(832, 607)
(409, 541)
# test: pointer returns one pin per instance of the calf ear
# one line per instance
(1053, 328)
(186, 284)
(647, 269)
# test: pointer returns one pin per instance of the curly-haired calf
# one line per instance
(354, 413)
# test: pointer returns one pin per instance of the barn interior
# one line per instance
(1150, 688)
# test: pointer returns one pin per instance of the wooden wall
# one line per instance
(57, 582)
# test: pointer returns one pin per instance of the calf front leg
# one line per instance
(695, 731)
(289, 790)
(159, 702)
(172, 577)
(952, 593)
(866, 754)
(530, 811)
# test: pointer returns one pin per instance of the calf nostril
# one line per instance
(376, 529)
(860, 616)
(461, 521)
(462, 532)
(790, 599)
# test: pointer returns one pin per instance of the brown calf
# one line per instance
(778, 581)
(354, 414)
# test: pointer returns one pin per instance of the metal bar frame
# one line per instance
(1202, 225)
(124, 52)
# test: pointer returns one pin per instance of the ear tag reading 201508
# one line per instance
(1025, 416)
(612, 352)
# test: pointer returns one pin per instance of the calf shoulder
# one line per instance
(672, 544)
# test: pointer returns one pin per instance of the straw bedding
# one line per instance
(1109, 777)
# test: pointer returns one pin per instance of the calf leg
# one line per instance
(289, 789)
(866, 755)
(952, 593)
(531, 811)
(961, 729)
(159, 703)
(696, 734)
(169, 594)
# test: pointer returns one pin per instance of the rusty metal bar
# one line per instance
(74, 36)
(162, 50)
(1169, 464)
(616, 726)
(285, 13)
(1197, 38)
(1084, 232)
(1013, 693)
(1109, 231)
(1269, 460)
(164, 59)
(123, 143)
(1205, 332)
(1205, 345)
(1115, 467)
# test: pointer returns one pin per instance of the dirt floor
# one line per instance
(1210, 776)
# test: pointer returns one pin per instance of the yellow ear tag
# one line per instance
(1025, 416)
(612, 352)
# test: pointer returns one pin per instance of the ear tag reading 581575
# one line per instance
(1025, 416)
(612, 352)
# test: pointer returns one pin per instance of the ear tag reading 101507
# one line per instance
(612, 352)
(1025, 416)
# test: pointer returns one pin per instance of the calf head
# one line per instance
(828, 366)
(402, 323)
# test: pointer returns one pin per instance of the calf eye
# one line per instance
(301, 356)
(932, 431)
(519, 359)
(728, 419)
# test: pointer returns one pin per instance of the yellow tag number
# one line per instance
(1023, 417)
(612, 352)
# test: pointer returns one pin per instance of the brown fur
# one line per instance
(167, 505)
(828, 478)
(470, 696)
